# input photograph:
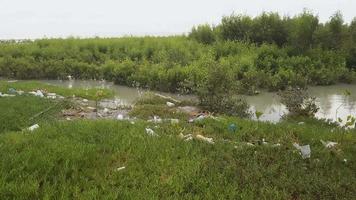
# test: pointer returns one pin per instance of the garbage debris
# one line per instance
(120, 117)
(20, 92)
(106, 110)
(328, 144)
(205, 139)
(38, 93)
(304, 150)
(12, 90)
(6, 95)
(33, 127)
(170, 104)
(186, 137)
(12, 81)
(150, 132)
(249, 144)
(301, 123)
(51, 95)
(199, 118)
(232, 128)
(85, 100)
(121, 168)
(276, 145)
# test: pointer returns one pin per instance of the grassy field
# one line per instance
(80, 159)
(28, 86)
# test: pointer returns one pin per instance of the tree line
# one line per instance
(267, 51)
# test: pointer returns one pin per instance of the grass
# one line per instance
(79, 160)
(17, 113)
(28, 86)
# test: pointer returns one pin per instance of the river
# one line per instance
(330, 99)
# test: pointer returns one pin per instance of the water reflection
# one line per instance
(330, 99)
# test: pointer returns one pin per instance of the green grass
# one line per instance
(66, 92)
(79, 159)
(19, 112)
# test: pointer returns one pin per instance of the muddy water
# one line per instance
(330, 99)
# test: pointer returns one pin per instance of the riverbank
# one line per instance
(173, 155)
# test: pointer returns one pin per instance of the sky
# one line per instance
(30, 19)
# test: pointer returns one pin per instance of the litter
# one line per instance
(301, 123)
(155, 119)
(33, 127)
(12, 90)
(205, 139)
(199, 118)
(232, 128)
(170, 104)
(85, 100)
(186, 137)
(304, 150)
(20, 92)
(276, 145)
(328, 144)
(106, 110)
(249, 144)
(150, 132)
(120, 117)
(120, 168)
(12, 81)
(68, 119)
(7, 95)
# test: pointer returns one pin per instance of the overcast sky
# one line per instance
(21, 19)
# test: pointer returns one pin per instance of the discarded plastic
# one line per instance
(199, 118)
(33, 127)
(150, 132)
(20, 92)
(328, 144)
(170, 104)
(120, 168)
(120, 117)
(85, 100)
(232, 128)
(12, 90)
(6, 95)
(304, 150)
(205, 139)
(186, 137)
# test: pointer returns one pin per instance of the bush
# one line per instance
(298, 102)
(217, 92)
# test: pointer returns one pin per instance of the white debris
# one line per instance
(186, 137)
(120, 117)
(51, 94)
(106, 110)
(20, 92)
(170, 104)
(205, 139)
(85, 100)
(328, 144)
(249, 144)
(33, 127)
(68, 118)
(120, 168)
(91, 108)
(345, 160)
(156, 119)
(32, 92)
(304, 150)
(301, 123)
(150, 132)
(276, 145)
(264, 142)
(7, 95)
(39, 93)
(199, 118)
(12, 81)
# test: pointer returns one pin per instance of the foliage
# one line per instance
(219, 96)
(298, 102)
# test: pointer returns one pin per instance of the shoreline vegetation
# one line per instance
(159, 151)
(73, 143)
(268, 51)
